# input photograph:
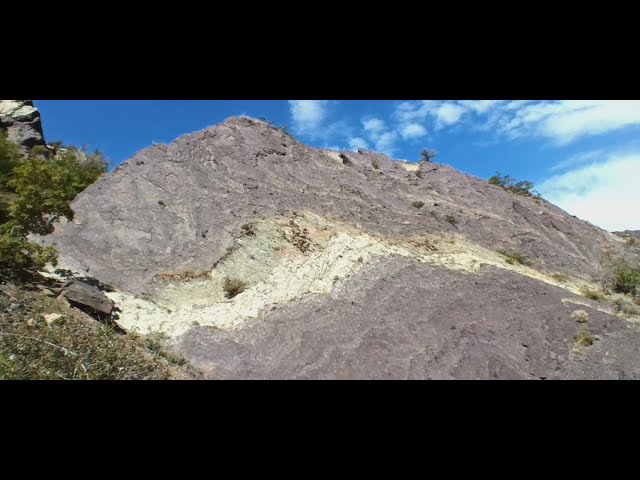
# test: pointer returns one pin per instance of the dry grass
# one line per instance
(450, 219)
(72, 347)
(560, 277)
(592, 294)
(233, 287)
(514, 257)
(625, 304)
(580, 316)
(186, 275)
(583, 339)
(300, 237)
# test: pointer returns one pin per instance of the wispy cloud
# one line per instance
(479, 106)
(307, 114)
(357, 142)
(605, 193)
(412, 130)
(447, 114)
(382, 137)
(579, 159)
(565, 121)
(373, 125)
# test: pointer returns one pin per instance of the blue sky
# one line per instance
(583, 155)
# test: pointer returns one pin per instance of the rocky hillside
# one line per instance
(264, 258)
(22, 122)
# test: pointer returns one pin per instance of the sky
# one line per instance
(582, 155)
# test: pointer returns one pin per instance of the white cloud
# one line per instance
(373, 125)
(604, 193)
(412, 130)
(385, 142)
(448, 114)
(307, 114)
(412, 111)
(441, 114)
(357, 142)
(380, 135)
(564, 121)
(479, 106)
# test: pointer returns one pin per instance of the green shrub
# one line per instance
(509, 183)
(34, 193)
(451, 220)
(9, 159)
(19, 257)
(46, 188)
(626, 278)
(418, 204)
(631, 241)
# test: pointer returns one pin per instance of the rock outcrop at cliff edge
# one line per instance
(264, 258)
(21, 120)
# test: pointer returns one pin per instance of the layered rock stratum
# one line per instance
(353, 265)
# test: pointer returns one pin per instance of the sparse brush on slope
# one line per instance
(509, 183)
(514, 257)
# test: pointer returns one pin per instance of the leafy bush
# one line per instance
(419, 204)
(9, 159)
(19, 257)
(46, 188)
(451, 220)
(626, 278)
(34, 193)
(509, 183)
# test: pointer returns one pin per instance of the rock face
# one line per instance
(21, 120)
(351, 264)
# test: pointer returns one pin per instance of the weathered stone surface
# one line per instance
(21, 120)
(344, 277)
(87, 295)
(174, 207)
(397, 319)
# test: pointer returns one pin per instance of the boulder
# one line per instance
(87, 295)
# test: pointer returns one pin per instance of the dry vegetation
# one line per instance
(74, 346)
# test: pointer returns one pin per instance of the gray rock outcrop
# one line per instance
(21, 120)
